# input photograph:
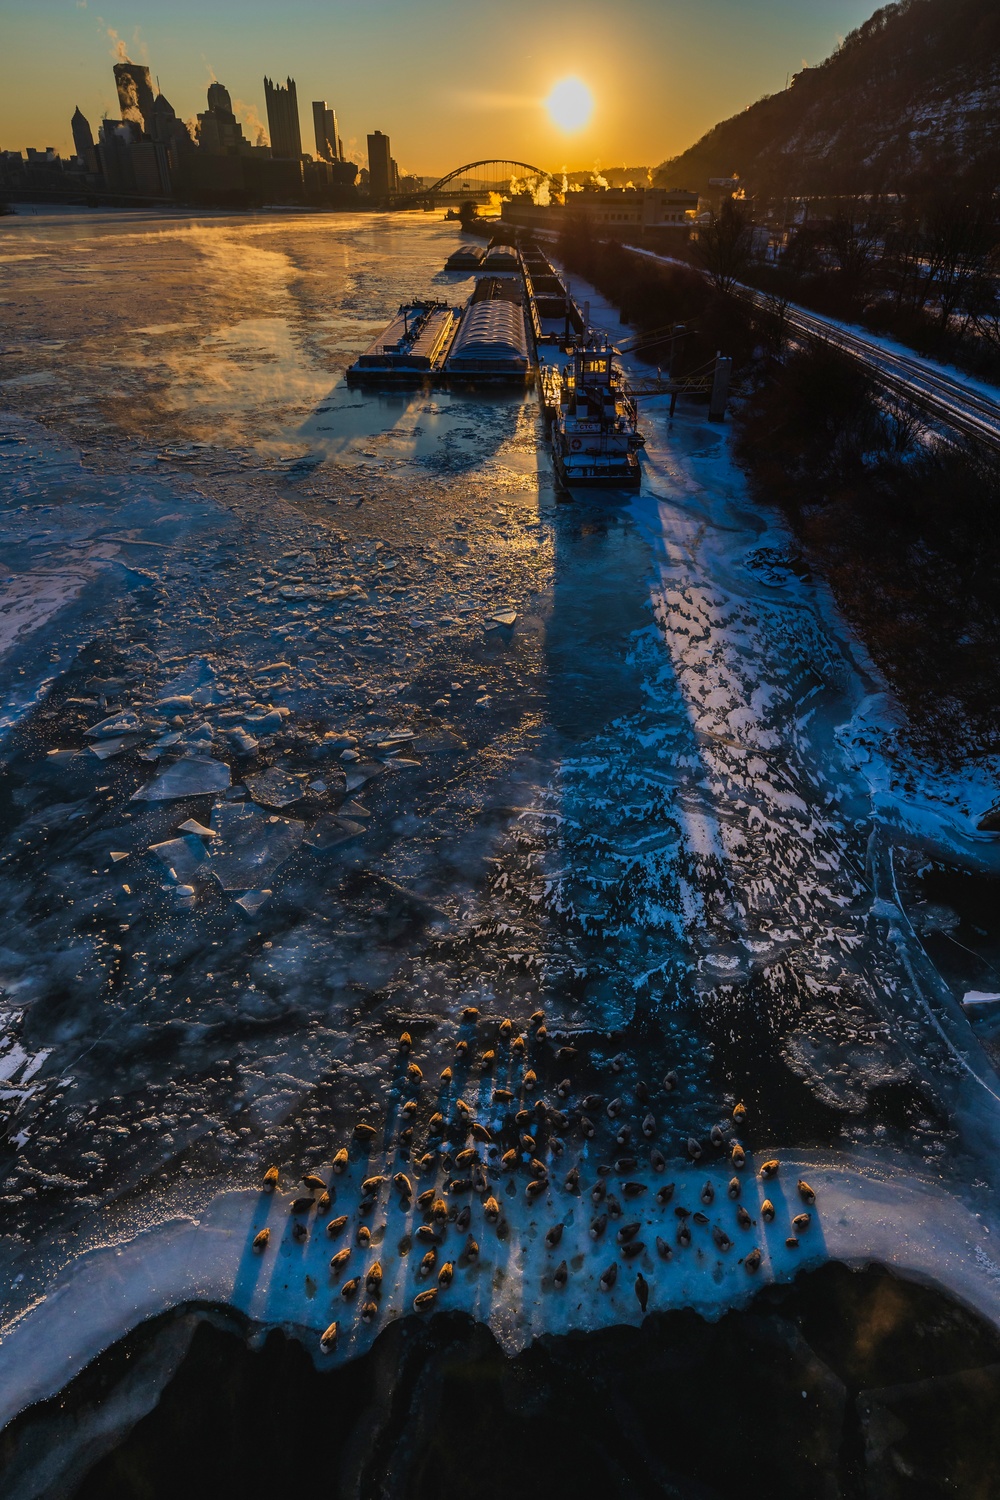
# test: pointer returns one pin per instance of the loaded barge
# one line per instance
(486, 342)
(412, 348)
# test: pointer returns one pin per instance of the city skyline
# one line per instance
(695, 68)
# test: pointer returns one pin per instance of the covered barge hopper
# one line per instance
(466, 258)
(492, 341)
(413, 347)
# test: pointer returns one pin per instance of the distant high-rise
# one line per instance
(283, 119)
(326, 130)
(379, 166)
(83, 136)
(219, 97)
(135, 92)
(219, 131)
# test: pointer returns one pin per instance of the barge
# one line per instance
(466, 258)
(486, 342)
(492, 342)
(413, 347)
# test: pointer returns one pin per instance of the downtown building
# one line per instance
(383, 174)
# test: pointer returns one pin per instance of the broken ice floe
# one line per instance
(184, 856)
(277, 788)
(191, 825)
(116, 726)
(330, 832)
(195, 776)
(252, 901)
(251, 846)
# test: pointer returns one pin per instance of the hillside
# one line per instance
(910, 98)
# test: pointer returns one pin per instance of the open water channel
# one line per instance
(326, 718)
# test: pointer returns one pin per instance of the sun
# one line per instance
(570, 104)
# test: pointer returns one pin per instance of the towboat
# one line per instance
(594, 431)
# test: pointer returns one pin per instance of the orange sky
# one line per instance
(449, 80)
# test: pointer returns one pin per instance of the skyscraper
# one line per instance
(135, 92)
(219, 131)
(379, 166)
(283, 119)
(326, 131)
(83, 136)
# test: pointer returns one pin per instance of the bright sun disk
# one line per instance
(570, 104)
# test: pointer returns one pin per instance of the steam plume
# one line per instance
(252, 120)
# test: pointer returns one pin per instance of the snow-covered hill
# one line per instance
(909, 101)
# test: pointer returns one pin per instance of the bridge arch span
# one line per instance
(490, 173)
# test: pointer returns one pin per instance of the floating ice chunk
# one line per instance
(973, 998)
(271, 722)
(504, 617)
(117, 724)
(242, 743)
(196, 684)
(105, 749)
(353, 809)
(276, 788)
(252, 901)
(251, 846)
(362, 772)
(328, 832)
(183, 856)
(193, 826)
(35, 1063)
(440, 743)
(195, 776)
(349, 755)
(119, 854)
(180, 702)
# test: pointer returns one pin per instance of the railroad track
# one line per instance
(942, 397)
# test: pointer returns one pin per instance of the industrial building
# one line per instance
(645, 215)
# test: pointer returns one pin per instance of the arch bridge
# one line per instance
(476, 180)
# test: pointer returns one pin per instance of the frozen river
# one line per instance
(325, 719)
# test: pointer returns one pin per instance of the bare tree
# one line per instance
(960, 246)
(724, 244)
(856, 236)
